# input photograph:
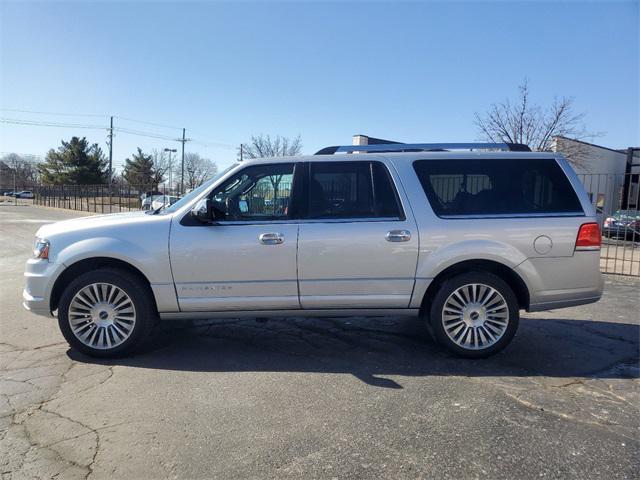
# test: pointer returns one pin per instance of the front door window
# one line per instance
(257, 193)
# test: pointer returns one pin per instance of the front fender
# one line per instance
(152, 262)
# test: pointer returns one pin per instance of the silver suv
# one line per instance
(461, 239)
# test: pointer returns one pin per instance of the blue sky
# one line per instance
(407, 71)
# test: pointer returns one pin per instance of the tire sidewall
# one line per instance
(132, 287)
(452, 284)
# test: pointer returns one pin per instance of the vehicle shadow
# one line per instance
(373, 348)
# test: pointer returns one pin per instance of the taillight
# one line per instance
(588, 237)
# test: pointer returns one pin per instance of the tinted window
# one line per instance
(496, 187)
(351, 190)
(260, 192)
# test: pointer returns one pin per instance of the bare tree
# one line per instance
(197, 169)
(534, 125)
(18, 170)
(160, 165)
(265, 146)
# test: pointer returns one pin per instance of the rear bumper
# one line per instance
(564, 281)
(539, 307)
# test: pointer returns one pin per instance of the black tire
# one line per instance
(451, 285)
(138, 291)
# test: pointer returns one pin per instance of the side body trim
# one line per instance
(355, 312)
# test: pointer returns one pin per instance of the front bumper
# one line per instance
(36, 305)
(620, 232)
(40, 276)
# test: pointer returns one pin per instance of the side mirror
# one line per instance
(202, 211)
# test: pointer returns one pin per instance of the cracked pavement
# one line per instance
(324, 398)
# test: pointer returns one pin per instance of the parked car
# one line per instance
(148, 200)
(163, 201)
(623, 224)
(460, 240)
(150, 193)
(24, 194)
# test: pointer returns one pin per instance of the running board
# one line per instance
(353, 312)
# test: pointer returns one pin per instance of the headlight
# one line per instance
(41, 248)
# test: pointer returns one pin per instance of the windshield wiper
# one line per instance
(154, 211)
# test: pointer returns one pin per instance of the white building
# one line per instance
(610, 176)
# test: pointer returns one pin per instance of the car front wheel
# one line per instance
(474, 314)
(106, 313)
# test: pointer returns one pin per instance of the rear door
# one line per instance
(357, 244)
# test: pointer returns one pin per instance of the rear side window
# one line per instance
(351, 190)
(497, 187)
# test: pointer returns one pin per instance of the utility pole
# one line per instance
(241, 152)
(110, 159)
(182, 167)
(110, 152)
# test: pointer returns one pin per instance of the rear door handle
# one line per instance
(271, 238)
(398, 236)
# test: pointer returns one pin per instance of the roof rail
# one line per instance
(422, 147)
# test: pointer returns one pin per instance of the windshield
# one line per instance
(627, 215)
(194, 193)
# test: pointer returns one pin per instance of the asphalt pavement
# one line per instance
(326, 398)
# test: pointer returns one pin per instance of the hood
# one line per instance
(94, 222)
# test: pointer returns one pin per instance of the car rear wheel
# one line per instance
(474, 314)
(106, 313)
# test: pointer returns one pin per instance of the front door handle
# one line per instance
(271, 238)
(398, 236)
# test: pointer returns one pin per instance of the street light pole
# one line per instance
(15, 181)
(170, 150)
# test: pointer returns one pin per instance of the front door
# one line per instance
(247, 259)
(357, 247)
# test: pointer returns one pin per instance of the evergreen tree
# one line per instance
(139, 170)
(75, 162)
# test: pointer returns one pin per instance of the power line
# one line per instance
(53, 113)
(212, 141)
(44, 123)
(212, 144)
(147, 123)
(37, 123)
(145, 134)
(18, 121)
(205, 142)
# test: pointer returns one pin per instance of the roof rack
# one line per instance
(422, 147)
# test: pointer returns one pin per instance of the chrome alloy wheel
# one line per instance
(102, 316)
(475, 316)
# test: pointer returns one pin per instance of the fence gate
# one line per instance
(616, 198)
